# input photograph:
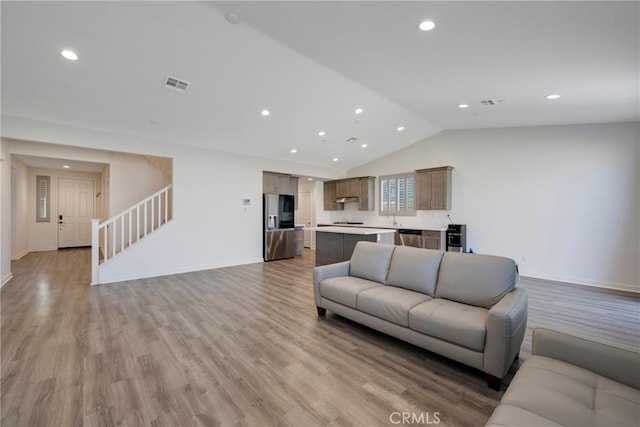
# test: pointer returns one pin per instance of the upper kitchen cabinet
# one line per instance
(330, 196)
(357, 190)
(434, 188)
(347, 188)
(366, 201)
(279, 183)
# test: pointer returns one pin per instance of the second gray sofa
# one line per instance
(572, 380)
(463, 306)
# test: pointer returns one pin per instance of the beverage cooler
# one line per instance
(457, 237)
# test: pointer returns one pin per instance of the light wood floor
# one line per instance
(237, 346)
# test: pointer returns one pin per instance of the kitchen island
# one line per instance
(335, 244)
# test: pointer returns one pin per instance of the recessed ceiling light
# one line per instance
(265, 112)
(309, 179)
(293, 150)
(321, 133)
(463, 106)
(427, 25)
(359, 110)
(335, 159)
(400, 128)
(66, 166)
(553, 96)
(69, 54)
(364, 146)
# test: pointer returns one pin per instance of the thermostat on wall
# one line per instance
(246, 202)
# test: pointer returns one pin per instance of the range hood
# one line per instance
(347, 199)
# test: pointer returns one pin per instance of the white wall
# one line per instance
(132, 178)
(19, 207)
(563, 201)
(5, 213)
(210, 228)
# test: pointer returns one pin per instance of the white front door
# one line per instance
(75, 210)
(304, 215)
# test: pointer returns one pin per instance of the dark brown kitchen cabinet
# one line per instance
(279, 183)
(434, 188)
(347, 188)
(433, 239)
(330, 197)
(366, 201)
(361, 190)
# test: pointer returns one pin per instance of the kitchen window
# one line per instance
(397, 194)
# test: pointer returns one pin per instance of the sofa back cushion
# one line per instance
(415, 269)
(479, 280)
(371, 261)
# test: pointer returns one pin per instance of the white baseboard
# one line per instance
(575, 281)
(45, 249)
(20, 255)
(6, 279)
(137, 276)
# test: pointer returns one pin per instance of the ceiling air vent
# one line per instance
(176, 84)
(490, 102)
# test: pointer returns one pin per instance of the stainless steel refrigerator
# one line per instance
(279, 227)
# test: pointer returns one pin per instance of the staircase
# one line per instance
(114, 236)
(165, 164)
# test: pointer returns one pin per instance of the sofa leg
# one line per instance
(321, 311)
(494, 383)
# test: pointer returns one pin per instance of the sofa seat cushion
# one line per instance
(371, 261)
(389, 303)
(451, 321)
(415, 269)
(480, 280)
(552, 392)
(345, 289)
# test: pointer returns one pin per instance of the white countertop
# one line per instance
(351, 230)
(391, 227)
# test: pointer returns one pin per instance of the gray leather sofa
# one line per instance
(463, 306)
(572, 381)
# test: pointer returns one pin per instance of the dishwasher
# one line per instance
(411, 238)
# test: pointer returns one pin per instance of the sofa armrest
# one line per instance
(618, 363)
(326, 271)
(506, 325)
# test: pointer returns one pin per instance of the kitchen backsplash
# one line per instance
(422, 219)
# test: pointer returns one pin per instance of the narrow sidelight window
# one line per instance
(43, 208)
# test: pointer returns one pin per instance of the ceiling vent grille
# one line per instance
(176, 84)
(491, 102)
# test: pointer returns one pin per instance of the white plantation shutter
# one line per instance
(411, 206)
(384, 195)
(42, 202)
(397, 194)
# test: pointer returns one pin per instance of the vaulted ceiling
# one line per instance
(311, 64)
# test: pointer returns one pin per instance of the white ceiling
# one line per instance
(312, 63)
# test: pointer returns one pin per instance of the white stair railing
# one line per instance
(125, 229)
